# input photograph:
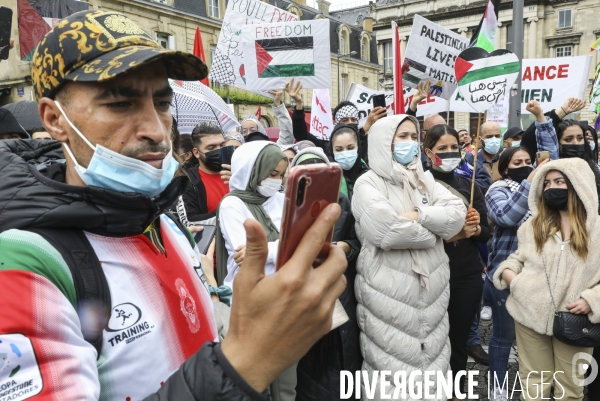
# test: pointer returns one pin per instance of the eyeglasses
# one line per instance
(246, 131)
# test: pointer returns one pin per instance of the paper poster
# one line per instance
(485, 78)
(552, 80)
(595, 92)
(228, 63)
(321, 117)
(430, 54)
(274, 53)
(498, 113)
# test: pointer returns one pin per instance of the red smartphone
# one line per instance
(310, 189)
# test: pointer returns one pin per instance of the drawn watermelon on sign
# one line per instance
(485, 78)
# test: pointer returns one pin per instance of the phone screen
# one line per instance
(379, 101)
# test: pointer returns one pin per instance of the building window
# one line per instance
(213, 9)
(509, 37)
(213, 52)
(342, 49)
(564, 51)
(564, 18)
(344, 80)
(365, 82)
(388, 57)
(163, 40)
(364, 49)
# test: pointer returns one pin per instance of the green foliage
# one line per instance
(237, 96)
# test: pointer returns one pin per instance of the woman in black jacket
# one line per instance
(319, 370)
(466, 285)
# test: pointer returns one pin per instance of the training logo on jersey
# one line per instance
(20, 377)
(126, 320)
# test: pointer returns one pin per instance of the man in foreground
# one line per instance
(108, 105)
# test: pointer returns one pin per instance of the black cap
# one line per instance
(9, 124)
(512, 132)
(27, 115)
(95, 46)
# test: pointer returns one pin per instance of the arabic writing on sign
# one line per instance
(490, 92)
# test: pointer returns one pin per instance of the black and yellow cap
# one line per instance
(95, 46)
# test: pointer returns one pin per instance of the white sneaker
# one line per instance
(498, 395)
(486, 313)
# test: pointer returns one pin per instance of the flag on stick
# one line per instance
(199, 51)
(595, 45)
(397, 60)
(485, 34)
(259, 113)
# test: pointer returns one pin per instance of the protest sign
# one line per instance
(595, 92)
(228, 63)
(273, 53)
(552, 80)
(498, 113)
(321, 118)
(484, 78)
(430, 54)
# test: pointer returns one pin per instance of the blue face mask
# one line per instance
(111, 170)
(593, 145)
(405, 152)
(346, 159)
(492, 145)
(516, 144)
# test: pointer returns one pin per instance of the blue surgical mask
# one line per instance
(346, 159)
(593, 145)
(405, 152)
(516, 144)
(112, 170)
(492, 145)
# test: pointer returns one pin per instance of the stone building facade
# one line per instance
(173, 23)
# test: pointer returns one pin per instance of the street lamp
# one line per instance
(352, 53)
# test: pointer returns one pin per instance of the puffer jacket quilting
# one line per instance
(404, 327)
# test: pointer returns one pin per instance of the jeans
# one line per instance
(474, 337)
(503, 333)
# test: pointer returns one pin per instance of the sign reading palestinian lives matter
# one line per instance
(552, 80)
(430, 54)
(321, 118)
(273, 53)
(484, 78)
(228, 62)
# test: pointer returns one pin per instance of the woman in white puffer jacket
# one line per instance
(402, 217)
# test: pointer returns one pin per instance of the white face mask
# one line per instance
(269, 187)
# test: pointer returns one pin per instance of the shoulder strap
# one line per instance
(454, 191)
(91, 287)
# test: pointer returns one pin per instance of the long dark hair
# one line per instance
(505, 158)
(436, 132)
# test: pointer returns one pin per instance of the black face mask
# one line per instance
(520, 173)
(570, 151)
(212, 160)
(557, 198)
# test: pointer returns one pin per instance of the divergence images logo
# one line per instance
(20, 376)
(578, 368)
(126, 318)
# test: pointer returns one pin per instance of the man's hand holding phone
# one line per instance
(276, 319)
(225, 173)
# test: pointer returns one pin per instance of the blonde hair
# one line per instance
(547, 223)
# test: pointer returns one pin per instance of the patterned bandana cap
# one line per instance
(95, 46)
(346, 112)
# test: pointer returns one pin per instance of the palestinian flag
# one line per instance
(38, 17)
(289, 57)
(475, 64)
(485, 34)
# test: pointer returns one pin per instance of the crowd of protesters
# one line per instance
(106, 296)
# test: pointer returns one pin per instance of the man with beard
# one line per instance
(209, 180)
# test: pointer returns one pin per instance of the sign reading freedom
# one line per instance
(228, 63)
(273, 53)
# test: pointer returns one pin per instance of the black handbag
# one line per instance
(572, 329)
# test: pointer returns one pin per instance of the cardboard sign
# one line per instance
(595, 92)
(274, 53)
(228, 63)
(553, 80)
(430, 54)
(321, 118)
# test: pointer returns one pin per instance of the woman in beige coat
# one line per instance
(554, 253)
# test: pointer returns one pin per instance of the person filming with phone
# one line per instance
(403, 217)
